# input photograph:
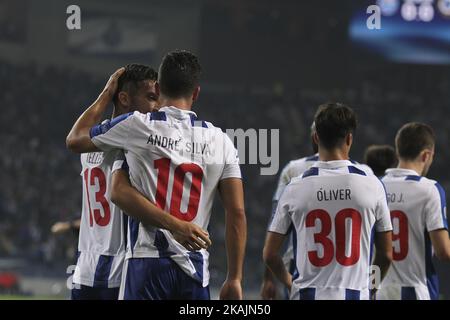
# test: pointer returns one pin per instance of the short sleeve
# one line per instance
(281, 220)
(436, 209)
(283, 181)
(112, 134)
(382, 214)
(120, 163)
(231, 167)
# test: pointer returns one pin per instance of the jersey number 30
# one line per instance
(196, 172)
(328, 246)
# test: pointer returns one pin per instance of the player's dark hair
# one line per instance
(334, 121)
(412, 139)
(379, 158)
(179, 74)
(130, 80)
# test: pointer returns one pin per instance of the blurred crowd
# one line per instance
(40, 181)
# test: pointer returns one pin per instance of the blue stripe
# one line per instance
(195, 122)
(162, 245)
(134, 232)
(352, 294)
(107, 125)
(307, 294)
(432, 279)
(102, 271)
(352, 169)
(158, 116)
(125, 228)
(312, 158)
(295, 273)
(443, 204)
(413, 178)
(408, 293)
(125, 166)
(311, 172)
(197, 260)
(372, 240)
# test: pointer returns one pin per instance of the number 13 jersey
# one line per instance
(101, 243)
(176, 161)
(334, 208)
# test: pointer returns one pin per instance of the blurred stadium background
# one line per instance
(267, 64)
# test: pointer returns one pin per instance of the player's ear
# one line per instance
(196, 94)
(426, 155)
(157, 89)
(349, 139)
(124, 99)
(315, 138)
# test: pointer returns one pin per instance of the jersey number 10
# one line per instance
(196, 172)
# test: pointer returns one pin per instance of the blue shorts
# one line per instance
(160, 279)
(89, 293)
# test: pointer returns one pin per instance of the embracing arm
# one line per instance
(78, 140)
(136, 205)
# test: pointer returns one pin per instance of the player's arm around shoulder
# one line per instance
(79, 138)
(232, 196)
(436, 221)
(136, 205)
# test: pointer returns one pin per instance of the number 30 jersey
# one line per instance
(417, 207)
(101, 242)
(334, 208)
(176, 161)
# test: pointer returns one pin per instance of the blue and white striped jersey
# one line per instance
(176, 161)
(101, 243)
(417, 206)
(334, 207)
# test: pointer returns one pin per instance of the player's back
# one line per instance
(176, 161)
(334, 206)
(417, 206)
(102, 230)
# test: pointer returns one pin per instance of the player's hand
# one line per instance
(231, 290)
(268, 290)
(192, 237)
(112, 84)
(60, 227)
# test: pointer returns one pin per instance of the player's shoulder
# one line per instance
(100, 159)
(362, 167)
(296, 167)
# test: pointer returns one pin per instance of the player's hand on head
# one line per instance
(112, 84)
(268, 290)
(192, 237)
(231, 290)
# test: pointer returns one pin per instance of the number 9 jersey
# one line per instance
(334, 208)
(101, 246)
(417, 207)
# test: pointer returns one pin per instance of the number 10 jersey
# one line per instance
(176, 161)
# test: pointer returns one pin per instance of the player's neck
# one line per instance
(181, 103)
(411, 165)
(332, 155)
